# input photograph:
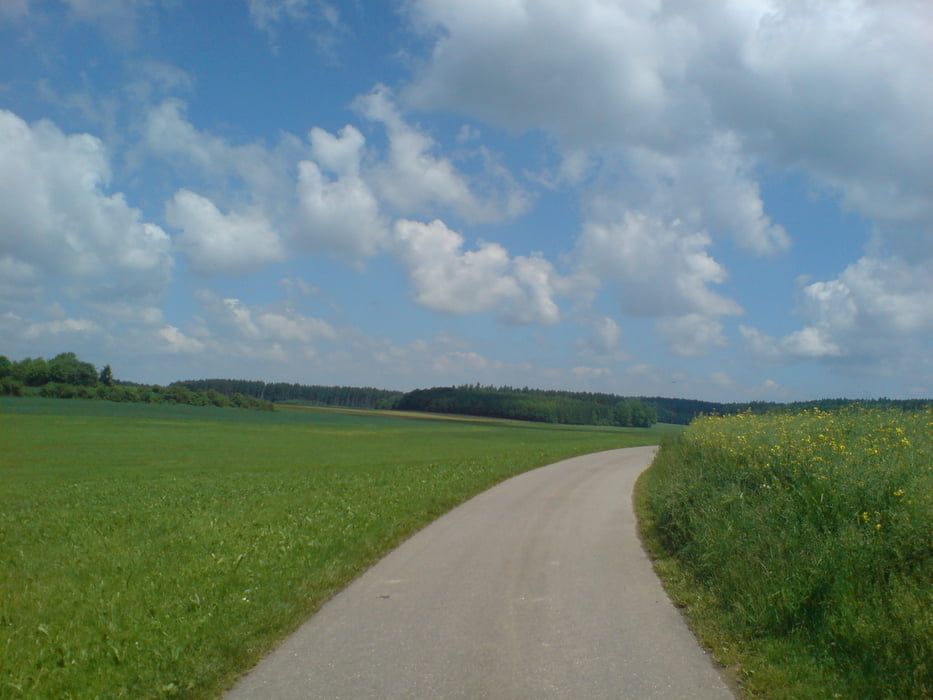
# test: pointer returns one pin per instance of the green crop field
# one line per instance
(152, 551)
(802, 546)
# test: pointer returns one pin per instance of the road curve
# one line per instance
(537, 588)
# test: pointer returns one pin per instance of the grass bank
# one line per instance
(802, 547)
(151, 551)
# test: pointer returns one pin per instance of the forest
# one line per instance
(67, 376)
(283, 392)
(531, 404)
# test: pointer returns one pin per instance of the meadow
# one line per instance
(152, 551)
(801, 545)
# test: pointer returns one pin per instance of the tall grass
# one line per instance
(813, 536)
(151, 551)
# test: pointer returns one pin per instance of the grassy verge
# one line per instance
(152, 551)
(802, 548)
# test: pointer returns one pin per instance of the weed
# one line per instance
(812, 532)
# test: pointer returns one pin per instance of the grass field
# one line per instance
(152, 551)
(802, 547)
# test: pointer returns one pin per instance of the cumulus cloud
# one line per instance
(58, 218)
(602, 342)
(711, 185)
(177, 342)
(693, 334)
(66, 326)
(416, 181)
(217, 243)
(413, 178)
(19, 281)
(338, 212)
(520, 65)
(877, 307)
(345, 191)
(232, 327)
(248, 171)
(446, 278)
(684, 106)
(830, 87)
(658, 268)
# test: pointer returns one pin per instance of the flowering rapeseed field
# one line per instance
(815, 528)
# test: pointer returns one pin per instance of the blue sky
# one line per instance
(725, 200)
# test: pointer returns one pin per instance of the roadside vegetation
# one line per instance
(156, 550)
(801, 545)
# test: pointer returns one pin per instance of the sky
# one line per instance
(727, 200)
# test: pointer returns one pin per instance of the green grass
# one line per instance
(802, 548)
(152, 551)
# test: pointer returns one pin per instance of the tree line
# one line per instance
(546, 406)
(314, 395)
(65, 376)
(552, 406)
(682, 411)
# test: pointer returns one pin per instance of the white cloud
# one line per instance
(447, 278)
(674, 110)
(329, 208)
(658, 269)
(693, 334)
(57, 217)
(834, 89)
(877, 308)
(339, 214)
(231, 328)
(177, 342)
(417, 182)
(251, 171)
(293, 328)
(722, 379)
(607, 334)
(807, 343)
(321, 18)
(67, 326)
(340, 154)
(19, 281)
(266, 13)
(601, 344)
(216, 243)
(521, 65)
(117, 19)
(810, 342)
(711, 185)
(343, 193)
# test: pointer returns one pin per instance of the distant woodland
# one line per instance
(582, 408)
(66, 376)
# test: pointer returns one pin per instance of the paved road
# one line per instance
(536, 589)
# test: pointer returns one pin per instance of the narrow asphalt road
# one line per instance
(537, 588)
